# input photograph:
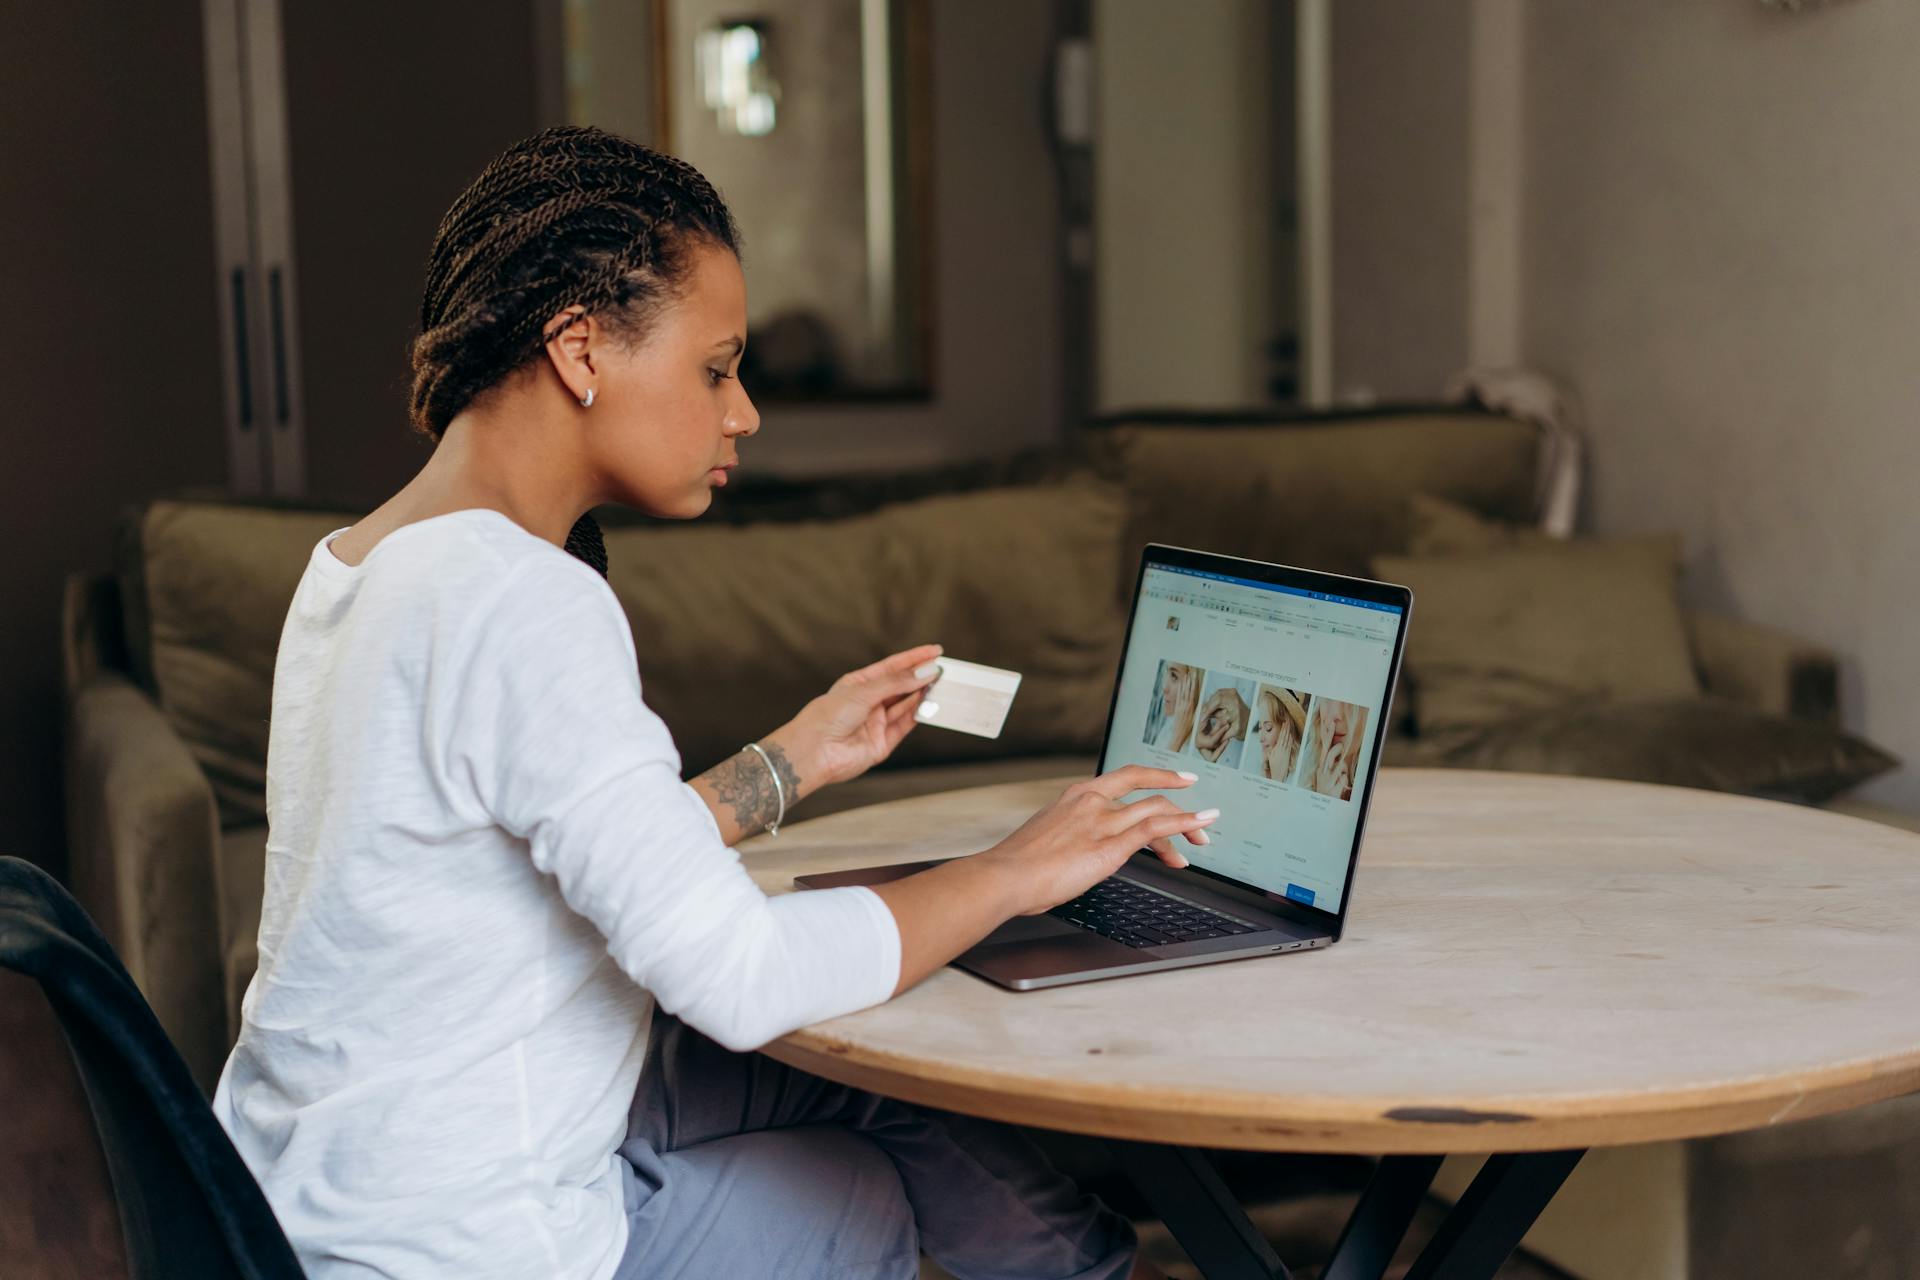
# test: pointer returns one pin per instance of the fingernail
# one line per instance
(926, 670)
(1201, 837)
(928, 709)
(1190, 777)
(1207, 815)
(1184, 862)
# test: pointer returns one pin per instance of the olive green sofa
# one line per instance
(741, 617)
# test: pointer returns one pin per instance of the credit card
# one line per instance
(968, 697)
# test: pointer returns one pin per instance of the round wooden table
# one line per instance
(1531, 964)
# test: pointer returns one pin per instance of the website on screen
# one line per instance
(1271, 694)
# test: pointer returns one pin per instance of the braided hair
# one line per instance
(573, 215)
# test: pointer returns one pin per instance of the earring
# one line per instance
(587, 400)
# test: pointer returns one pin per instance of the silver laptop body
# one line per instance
(1312, 660)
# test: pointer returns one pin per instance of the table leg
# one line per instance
(1380, 1221)
(1186, 1191)
(1478, 1235)
(1498, 1209)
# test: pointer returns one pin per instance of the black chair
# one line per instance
(188, 1205)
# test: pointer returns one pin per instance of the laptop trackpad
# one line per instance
(1028, 929)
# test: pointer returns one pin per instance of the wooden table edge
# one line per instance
(1261, 1121)
(1361, 1126)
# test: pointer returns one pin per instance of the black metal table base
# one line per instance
(1479, 1234)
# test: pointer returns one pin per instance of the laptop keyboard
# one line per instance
(1142, 917)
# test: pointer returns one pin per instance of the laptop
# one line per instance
(1274, 684)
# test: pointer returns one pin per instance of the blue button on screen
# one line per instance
(1298, 894)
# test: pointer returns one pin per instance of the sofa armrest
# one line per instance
(142, 838)
(1764, 667)
(91, 634)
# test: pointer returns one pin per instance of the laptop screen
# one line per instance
(1273, 695)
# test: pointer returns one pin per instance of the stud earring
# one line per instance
(587, 400)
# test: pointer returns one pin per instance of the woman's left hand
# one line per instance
(859, 721)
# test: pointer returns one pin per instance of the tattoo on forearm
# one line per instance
(743, 784)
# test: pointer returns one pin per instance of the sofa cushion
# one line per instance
(1023, 579)
(1698, 741)
(1437, 527)
(216, 580)
(1529, 629)
(1320, 493)
(738, 627)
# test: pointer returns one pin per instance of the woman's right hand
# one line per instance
(1056, 855)
(1088, 833)
(1332, 777)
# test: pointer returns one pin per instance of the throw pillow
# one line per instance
(1319, 493)
(1436, 527)
(1528, 629)
(737, 627)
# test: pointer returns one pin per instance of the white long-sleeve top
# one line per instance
(483, 870)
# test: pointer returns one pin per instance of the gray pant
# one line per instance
(737, 1167)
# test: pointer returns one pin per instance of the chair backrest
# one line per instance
(188, 1205)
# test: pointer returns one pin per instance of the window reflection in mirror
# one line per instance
(810, 117)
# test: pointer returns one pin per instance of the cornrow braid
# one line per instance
(572, 216)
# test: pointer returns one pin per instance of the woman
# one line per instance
(484, 872)
(1278, 725)
(1170, 720)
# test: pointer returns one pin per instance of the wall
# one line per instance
(1400, 155)
(383, 135)
(1722, 224)
(1184, 280)
(109, 358)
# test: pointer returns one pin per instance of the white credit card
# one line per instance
(968, 697)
